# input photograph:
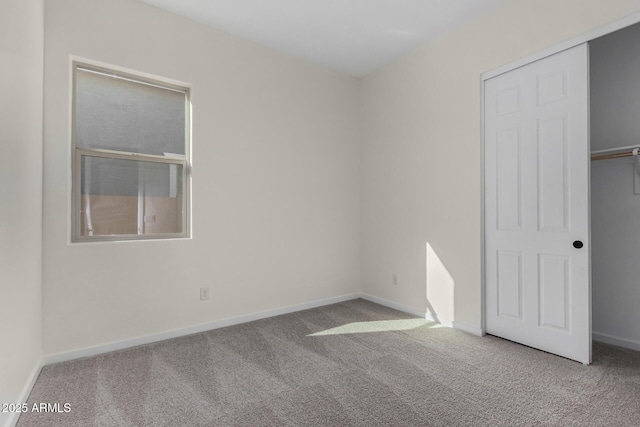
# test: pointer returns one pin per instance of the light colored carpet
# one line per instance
(354, 363)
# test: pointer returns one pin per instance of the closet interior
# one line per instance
(615, 187)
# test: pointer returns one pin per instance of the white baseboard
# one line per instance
(620, 342)
(174, 333)
(25, 392)
(468, 329)
(179, 332)
(395, 306)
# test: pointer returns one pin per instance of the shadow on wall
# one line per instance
(440, 289)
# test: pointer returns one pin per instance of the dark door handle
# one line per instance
(578, 244)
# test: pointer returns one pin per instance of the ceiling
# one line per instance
(354, 37)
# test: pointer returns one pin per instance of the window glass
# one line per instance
(130, 160)
(118, 114)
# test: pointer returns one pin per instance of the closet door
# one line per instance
(537, 284)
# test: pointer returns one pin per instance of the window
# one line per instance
(130, 160)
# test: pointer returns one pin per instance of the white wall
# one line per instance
(275, 181)
(615, 209)
(21, 44)
(421, 151)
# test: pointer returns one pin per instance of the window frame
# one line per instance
(77, 154)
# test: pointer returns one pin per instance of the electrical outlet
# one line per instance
(394, 279)
(204, 294)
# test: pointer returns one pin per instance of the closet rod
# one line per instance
(612, 156)
(600, 155)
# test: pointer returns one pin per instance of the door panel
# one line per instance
(510, 284)
(536, 204)
(509, 182)
(554, 288)
(552, 175)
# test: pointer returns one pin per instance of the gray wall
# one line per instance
(615, 89)
(615, 209)
(21, 44)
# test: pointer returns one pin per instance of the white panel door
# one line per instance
(537, 285)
